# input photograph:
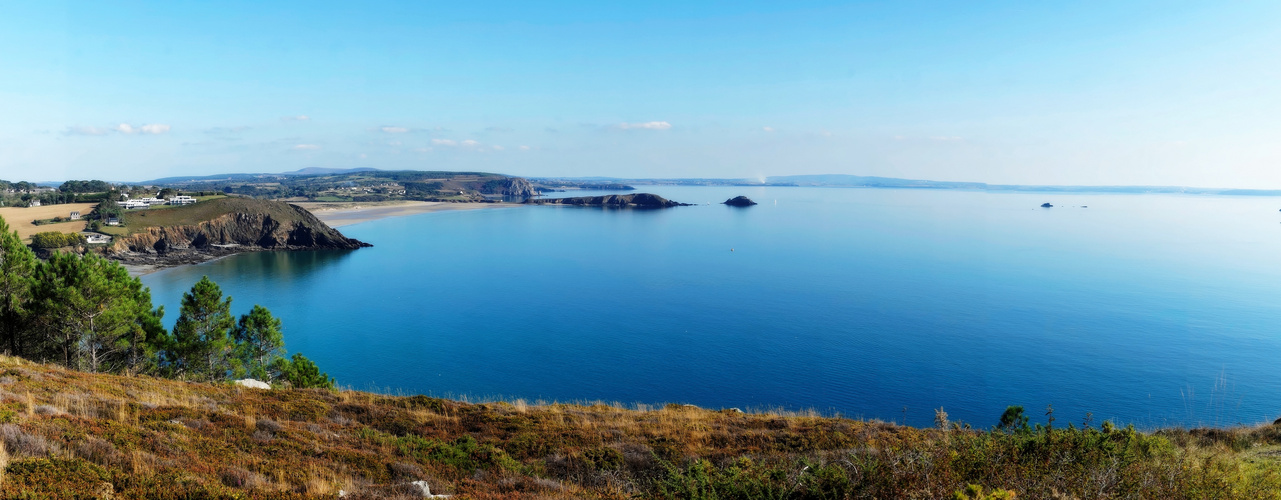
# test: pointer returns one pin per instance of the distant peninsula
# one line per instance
(638, 200)
(860, 181)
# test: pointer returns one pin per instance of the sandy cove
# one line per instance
(345, 214)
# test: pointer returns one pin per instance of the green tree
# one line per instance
(17, 270)
(302, 373)
(1013, 420)
(95, 316)
(202, 336)
(259, 343)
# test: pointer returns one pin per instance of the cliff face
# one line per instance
(638, 200)
(276, 227)
(517, 186)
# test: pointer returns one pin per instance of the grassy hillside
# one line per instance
(69, 434)
(137, 220)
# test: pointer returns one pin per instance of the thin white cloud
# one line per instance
(470, 143)
(945, 138)
(498, 148)
(444, 142)
(306, 147)
(299, 118)
(645, 126)
(87, 131)
(394, 130)
(768, 129)
(423, 150)
(393, 143)
(123, 128)
(524, 148)
(227, 130)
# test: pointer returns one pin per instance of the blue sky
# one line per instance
(1170, 93)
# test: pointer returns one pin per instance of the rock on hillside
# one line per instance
(638, 200)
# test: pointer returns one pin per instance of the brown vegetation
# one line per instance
(70, 434)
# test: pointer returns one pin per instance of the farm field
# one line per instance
(20, 218)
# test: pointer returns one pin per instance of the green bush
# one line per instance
(54, 239)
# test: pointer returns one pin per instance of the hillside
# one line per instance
(182, 234)
(361, 185)
(69, 434)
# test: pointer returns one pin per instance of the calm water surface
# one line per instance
(1148, 309)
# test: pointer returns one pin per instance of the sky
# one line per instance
(1078, 93)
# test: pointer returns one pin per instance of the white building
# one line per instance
(75, 215)
(35, 203)
(112, 221)
(181, 200)
(96, 238)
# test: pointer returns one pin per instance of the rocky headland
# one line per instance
(217, 228)
(638, 200)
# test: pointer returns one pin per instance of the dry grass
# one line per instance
(20, 218)
(149, 438)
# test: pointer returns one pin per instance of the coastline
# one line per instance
(345, 214)
(333, 214)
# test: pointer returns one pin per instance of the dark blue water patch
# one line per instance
(1155, 310)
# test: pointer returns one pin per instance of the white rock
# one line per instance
(252, 384)
(426, 490)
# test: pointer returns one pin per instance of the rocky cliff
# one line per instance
(228, 226)
(638, 200)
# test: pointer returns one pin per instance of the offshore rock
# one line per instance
(739, 201)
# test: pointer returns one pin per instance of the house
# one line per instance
(112, 221)
(75, 215)
(35, 203)
(181, 200)
(96, 238)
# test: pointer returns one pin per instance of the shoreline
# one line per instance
(333, 214)
(339, 214)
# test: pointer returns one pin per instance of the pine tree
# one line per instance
(259, 343)
(202, 336)
(302, 373)
(17, 269)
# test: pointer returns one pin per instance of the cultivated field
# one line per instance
(20, 218)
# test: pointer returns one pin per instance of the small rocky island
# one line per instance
(1046, 205)
(739, 201)
(638, 200)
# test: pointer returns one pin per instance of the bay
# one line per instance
(875, 303)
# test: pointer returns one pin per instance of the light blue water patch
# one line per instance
(1150, 309)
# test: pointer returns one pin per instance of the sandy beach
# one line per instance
(345, 214)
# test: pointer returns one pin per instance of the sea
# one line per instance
(1146, 309)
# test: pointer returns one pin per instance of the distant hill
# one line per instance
(325, 171)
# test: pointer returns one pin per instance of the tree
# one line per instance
(259, 343)
(95, 316)
(201, 337)
(302, 373)
(17, 269)
(1013, 420)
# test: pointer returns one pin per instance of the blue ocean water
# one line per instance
(874, 303)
